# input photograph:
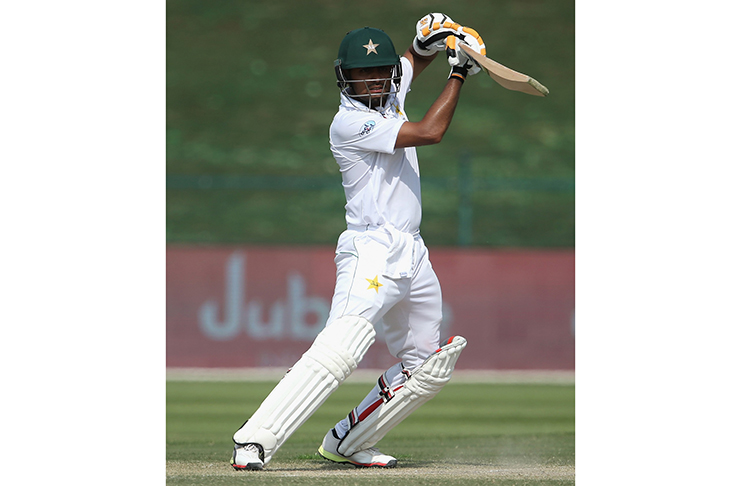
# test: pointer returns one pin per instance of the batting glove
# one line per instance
(460, 63)
(432, 30)
(473, 40)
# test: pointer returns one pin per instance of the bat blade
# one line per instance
(505, 76)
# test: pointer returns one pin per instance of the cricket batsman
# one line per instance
(384, 275)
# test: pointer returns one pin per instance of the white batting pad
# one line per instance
(332, 357)
(423, 384)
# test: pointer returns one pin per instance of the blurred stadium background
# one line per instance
(255, 204)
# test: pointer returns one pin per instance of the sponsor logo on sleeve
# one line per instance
(367, 127)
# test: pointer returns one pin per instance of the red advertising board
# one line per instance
(262, 306)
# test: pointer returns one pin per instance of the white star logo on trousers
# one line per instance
(371, 47)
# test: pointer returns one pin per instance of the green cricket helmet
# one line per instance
(363, 48)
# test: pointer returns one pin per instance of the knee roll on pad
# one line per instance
(332, 357)
(421, 386)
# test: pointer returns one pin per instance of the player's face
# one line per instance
(373, 81)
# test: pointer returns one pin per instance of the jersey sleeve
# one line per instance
(365, 131)
(407, 74)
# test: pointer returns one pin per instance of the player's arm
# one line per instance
(419, 62)
(435, 123)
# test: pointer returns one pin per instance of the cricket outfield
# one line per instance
(476, 431)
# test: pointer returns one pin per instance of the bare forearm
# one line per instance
(438, 117)
(435, 123)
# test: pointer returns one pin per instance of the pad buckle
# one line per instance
(386, 392)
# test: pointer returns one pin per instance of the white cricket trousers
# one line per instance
(405, 296)
(386, 276)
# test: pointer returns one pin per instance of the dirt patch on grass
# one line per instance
(317, 469)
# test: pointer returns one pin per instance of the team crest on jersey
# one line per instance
(374, 284)
(367, 127)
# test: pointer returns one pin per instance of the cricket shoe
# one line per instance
(247, 456)
(370, 457)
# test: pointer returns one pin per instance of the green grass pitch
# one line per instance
(471, 433)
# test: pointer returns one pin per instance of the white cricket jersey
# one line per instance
(381, 183)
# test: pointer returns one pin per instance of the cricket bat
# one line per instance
(505, 76)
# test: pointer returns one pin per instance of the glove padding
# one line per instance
(432, 30)
(473, 40)
(460, 64)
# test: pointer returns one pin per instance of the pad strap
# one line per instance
(421, 386)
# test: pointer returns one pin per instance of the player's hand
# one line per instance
(432, 30)
(460, 64)
(473, 40)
